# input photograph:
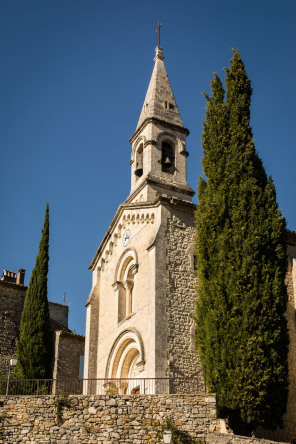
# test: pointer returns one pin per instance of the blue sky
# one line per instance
(73, 77)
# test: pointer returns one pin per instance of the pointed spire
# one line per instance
(160, 102)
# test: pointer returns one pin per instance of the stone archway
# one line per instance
(126, 362)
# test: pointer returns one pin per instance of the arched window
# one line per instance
(124, 283)
(167, 157)
(139, 162)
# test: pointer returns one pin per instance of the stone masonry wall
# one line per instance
(93, 332)
(68, 349)
(290, 417)
(12, 298)
(288, 432)
(103, 419)
(59, 313)
(182, 295)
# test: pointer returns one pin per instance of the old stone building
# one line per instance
(12, 297)
(290, 417)
(138, 312)
(143, 289)
(289, 431)
(67, 346)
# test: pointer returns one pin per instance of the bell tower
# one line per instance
(159, 155)
(143, 288)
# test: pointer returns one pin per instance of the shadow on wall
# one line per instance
(288, 433)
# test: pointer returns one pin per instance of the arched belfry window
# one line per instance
(139, 162)
(167, 157)
(124, 284)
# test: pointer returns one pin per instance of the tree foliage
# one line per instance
(33, 350)
(241, 260)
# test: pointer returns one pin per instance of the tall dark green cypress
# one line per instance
(241, 260)
(33, 350)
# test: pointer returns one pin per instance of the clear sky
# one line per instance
(73, 77)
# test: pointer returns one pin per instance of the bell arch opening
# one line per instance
(139, 162)
(167, 157)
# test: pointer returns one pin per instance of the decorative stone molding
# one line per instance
(178, 224)
(117, 285)
(128, 284)
(127, 341)
(161, 122)
(137, 218)
(166, 135)
(141, 140)
(150, 142)
(132, 218)
(129, 256)
(134, 269)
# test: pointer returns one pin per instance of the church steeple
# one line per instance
(159, 155)
(136, 273)
(160, 102)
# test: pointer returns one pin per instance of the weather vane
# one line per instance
(158, 30)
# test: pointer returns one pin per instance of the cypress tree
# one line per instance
(241, 260)
(33, 350)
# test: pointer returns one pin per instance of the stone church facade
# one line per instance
(143, 292)
(138, 312)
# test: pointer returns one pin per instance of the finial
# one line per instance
(158, 31)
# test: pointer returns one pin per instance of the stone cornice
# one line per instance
(160, 122)
(150, 142)
(176, 187)
(182, 204)
(156, 181)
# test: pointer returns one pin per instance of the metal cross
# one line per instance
(158, 30)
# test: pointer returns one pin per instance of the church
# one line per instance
(138, 322)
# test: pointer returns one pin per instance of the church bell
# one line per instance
(167, 162)
(139, 168)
